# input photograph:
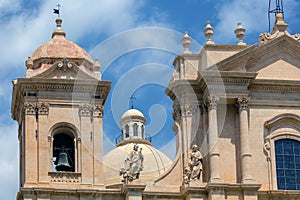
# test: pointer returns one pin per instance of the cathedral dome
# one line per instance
(57, 49)
(154, 165)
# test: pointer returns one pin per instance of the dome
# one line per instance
(155, 163)
(59, 48)
(132, 114)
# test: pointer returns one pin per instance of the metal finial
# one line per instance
(56, 11)
(132, 98)
(278, 9)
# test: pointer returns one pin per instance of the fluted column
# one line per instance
(244, 139)
(214, 154)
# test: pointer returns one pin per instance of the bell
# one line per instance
(63, 163)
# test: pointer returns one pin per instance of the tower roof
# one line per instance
(59, 48)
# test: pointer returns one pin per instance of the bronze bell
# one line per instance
(63, 163)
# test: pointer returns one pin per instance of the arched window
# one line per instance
(64, 152)
(143, 131)
(287, 156)
(135, 129)
(126, 131)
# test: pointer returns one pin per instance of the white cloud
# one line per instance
(9, 161)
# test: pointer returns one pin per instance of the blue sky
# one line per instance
(97, 25)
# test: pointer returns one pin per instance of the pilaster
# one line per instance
(214, 154)
(244, 140)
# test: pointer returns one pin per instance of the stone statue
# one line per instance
(133, 165)
(193, 171)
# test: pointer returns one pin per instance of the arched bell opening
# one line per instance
(64, 152)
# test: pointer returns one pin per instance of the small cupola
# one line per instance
(133, 126)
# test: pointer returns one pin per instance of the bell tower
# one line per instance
(59, 108)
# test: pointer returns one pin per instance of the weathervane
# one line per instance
(276, 10)
(132, 98)
(56, 11)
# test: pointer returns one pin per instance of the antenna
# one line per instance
(132, 98)
(276, 10)
(56, 11)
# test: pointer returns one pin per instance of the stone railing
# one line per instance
(64, 177)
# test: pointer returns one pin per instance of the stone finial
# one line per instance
(280, 25)
(208, 33)
(58, 30)
(240, 33)
(29, 63)
(96, 65)
(186, 42)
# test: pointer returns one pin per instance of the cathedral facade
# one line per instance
(236, 118)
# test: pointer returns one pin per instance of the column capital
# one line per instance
(212, 102)
(242, 103)
(189, 109)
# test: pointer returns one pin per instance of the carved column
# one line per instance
(214, 154)
(244, 139)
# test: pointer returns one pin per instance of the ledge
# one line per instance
(64, 177)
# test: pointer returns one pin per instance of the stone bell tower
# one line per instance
(59, 109)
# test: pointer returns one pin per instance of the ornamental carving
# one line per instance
(85, 110)
(97, 111)
(193, 171)
(36, 108)
(30, 108)
(88, 110)
(242, 103)
(65, 177)
(189, 110)
(267, 148)
(212, 102)
(43, 108)
(64, 65)
(133, 165)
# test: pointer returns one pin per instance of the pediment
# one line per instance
(279, 70)
(64, 70)
(277, 59)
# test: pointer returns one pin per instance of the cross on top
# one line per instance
(56, 11)
(132, 98)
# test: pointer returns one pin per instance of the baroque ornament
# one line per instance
(64, 65)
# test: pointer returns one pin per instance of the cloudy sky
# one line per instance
(135, 42)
